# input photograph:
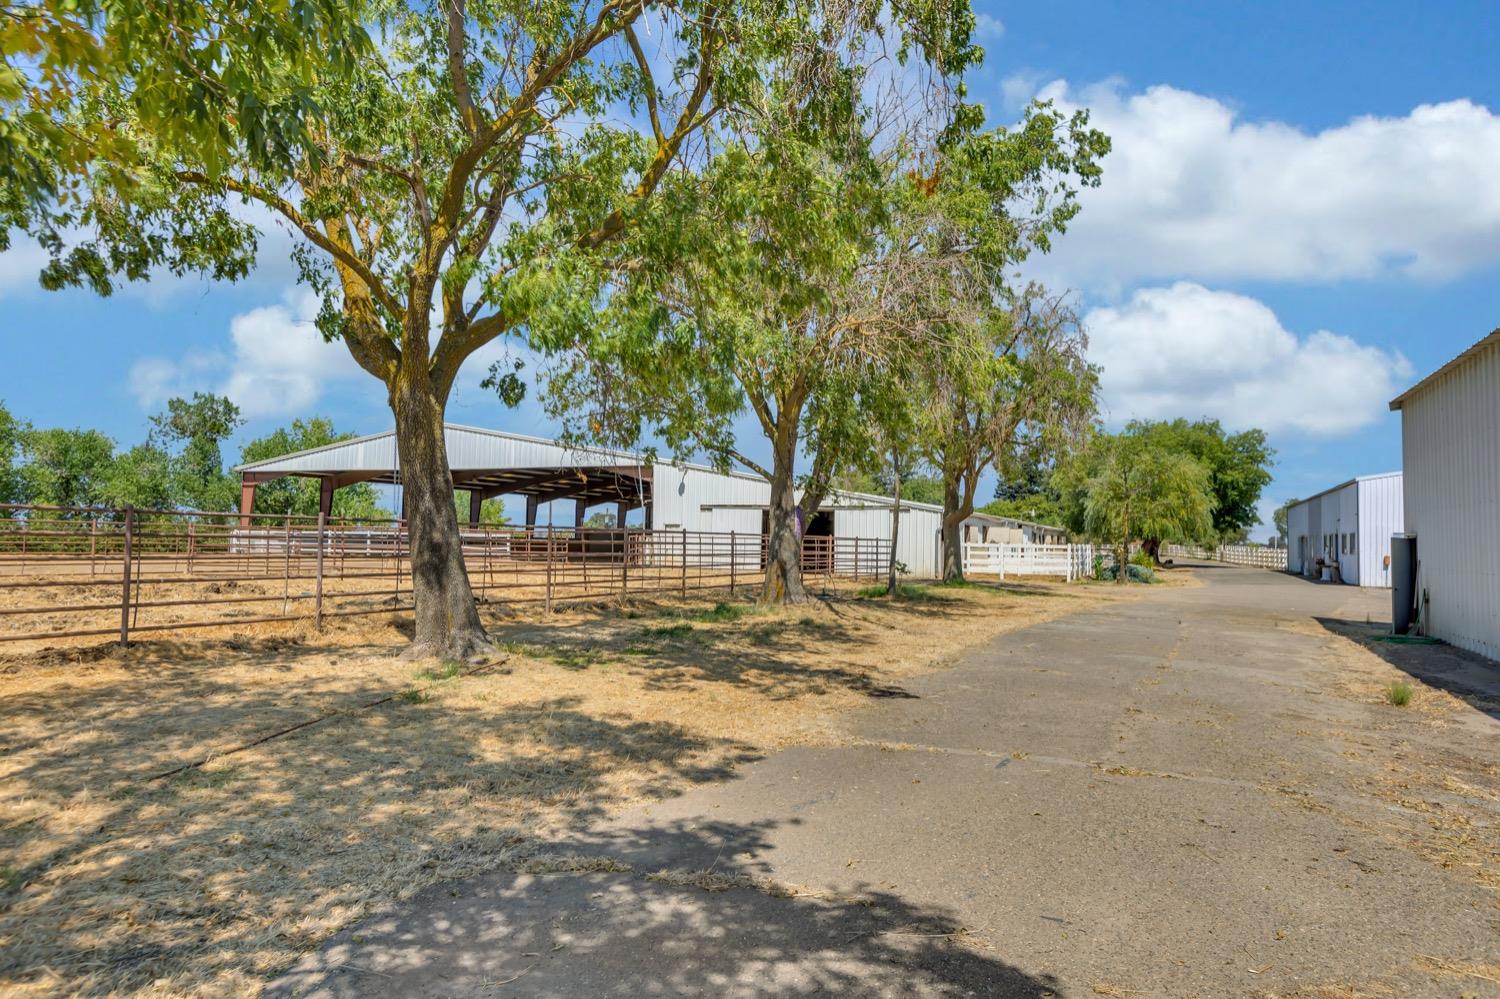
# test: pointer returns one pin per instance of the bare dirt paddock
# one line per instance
(122, 874)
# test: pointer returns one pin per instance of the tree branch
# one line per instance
(645, 67)
(341, 254)
(456, 68)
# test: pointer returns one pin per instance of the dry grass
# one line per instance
(205, 882)
(1437, 772)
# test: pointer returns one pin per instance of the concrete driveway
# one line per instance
(1173, 796)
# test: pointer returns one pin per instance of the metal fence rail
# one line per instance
(1067, 561)
(88, 572)
(1256, 555)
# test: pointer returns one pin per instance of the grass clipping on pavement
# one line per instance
(208, 881)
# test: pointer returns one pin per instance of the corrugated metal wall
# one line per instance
(1450, 442)
(917, 543)
(1380, 516)
(1297, 536)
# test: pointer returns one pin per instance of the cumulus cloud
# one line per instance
(1186, 350)
(277, 363)
(1192, 190)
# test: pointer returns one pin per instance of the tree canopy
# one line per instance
(1123, 488)
(1238, 464)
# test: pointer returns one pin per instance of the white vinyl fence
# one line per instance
(1256, 555)
(1070, 562)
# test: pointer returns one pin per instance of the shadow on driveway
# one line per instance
(719, 928)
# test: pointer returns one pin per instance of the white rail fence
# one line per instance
(1256, 555)
(1067, 561)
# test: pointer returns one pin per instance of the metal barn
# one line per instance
(1450, 445)
(1349, 526)
(489, 463)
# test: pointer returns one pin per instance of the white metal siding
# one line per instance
(1450, 442)
(1296, 531)
(1380, 515)
(916, 544)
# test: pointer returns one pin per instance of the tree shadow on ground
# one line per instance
(1464, 674)
(211, 878)
(684, 910)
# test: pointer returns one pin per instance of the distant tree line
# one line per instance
(179, 466)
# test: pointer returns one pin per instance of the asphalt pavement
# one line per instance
(1140, 799)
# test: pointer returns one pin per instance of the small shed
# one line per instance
(1349, 526)
(1450, 447)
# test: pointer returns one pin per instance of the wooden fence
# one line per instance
(1256, 555)
(1069, 562)
(77, 573)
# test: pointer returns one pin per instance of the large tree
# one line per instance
(1238, 466)
(1124, 487)
(456, 186)
(64, 467)
(1031, 392)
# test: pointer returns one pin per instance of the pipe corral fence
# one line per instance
(76, 572)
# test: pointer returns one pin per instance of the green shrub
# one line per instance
(1399, 693)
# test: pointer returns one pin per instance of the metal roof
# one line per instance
(1488, 340)
(476, 449)
(1342, 485)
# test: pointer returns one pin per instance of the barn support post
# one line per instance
(318, 586)
(476, 507)
(531, 506)
(621, 509)
(580, 514)
(247, 499)
(125, 576)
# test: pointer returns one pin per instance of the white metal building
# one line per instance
(1349, 524)
(678, 496)
(1450, 445)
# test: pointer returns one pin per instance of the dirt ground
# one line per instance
(120, 876)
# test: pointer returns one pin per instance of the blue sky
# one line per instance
(1301, 217)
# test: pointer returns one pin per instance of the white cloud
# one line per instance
(987, 28)
(277, 364)
(1186, 350)
(1193, 190)
(20, 265)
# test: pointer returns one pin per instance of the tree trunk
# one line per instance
(1153, 547)
(784, 545)
(447, 621)
(953, 530)
(890, 586)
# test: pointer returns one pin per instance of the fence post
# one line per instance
(548, 604)
(683, 584)
(93, 543)
(624, 560)
(733, 565)
(125, 576)
(286, 573)
(318, 587)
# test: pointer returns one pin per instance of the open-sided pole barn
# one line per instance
(672, 496)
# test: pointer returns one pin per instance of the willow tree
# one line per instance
(460, 182)
(1124, 487)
